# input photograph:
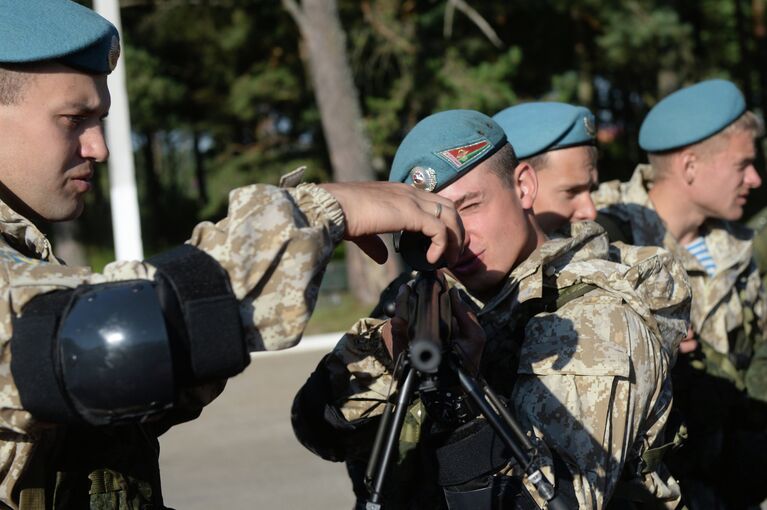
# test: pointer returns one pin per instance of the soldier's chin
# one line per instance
(735, 214)
(67, 213)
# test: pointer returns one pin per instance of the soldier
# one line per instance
(700, 143)
(95, 366)
(580, 345)
(558, 141)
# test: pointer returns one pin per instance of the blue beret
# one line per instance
(690, 115)
(60, 30)
(533, 128)
(444, 146)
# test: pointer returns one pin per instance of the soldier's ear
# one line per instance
(690, 166)
(526, 184)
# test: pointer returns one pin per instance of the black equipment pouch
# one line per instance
(498, 492)
(473, 450)
(467, 464)
(193, 287)
(617, 229)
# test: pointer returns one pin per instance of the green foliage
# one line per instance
(564, 87)
(156, 99)
(234, 170)
(264, 83)
(406, 67)
(636, 35)
(484, 87)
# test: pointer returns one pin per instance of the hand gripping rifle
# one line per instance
(419, 368)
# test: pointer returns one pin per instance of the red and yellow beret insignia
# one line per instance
(461, 156)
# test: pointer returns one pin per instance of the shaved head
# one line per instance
(12, 81)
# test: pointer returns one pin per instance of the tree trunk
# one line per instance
(342, 124)
(585, 89)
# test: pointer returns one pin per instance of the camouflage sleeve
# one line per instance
(360, 371)
(334, 413)
(274, 245)
(756, 375)
(593, 387)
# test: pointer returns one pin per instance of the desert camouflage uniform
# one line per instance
(724, 380)
(590, 379)
(274, 245)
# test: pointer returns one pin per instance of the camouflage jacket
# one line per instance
(729, 310)
(274, 245)
(590, 380)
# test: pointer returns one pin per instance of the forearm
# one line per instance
(274, 245)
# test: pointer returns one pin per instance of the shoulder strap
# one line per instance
(555, 298)
(567, 294)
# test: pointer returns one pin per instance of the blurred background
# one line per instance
(224, 93)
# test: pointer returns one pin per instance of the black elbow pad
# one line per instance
(98, 353)
(119, 351)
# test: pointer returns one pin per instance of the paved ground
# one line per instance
(241, 453)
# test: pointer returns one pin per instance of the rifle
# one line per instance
(420, 368)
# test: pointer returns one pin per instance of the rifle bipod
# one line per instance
(489, 405)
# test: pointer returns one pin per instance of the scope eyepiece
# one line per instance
(413, 247)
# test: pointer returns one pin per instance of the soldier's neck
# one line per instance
(680, 215)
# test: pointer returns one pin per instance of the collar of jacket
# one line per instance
(583, 241)
(22, 235)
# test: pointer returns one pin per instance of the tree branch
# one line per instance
(477, 19)
(295, 12)
(384, 31)
(447, 26)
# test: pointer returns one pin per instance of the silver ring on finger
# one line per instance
(438, 212)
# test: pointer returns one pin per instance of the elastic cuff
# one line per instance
(329, 209)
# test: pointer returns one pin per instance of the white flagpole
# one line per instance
(126, 223)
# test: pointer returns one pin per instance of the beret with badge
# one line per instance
(535, 128)
(691, 115)
(57, 30)
(444, 146)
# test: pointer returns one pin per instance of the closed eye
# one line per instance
(469, 207)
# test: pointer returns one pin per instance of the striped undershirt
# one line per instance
(700, 251)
